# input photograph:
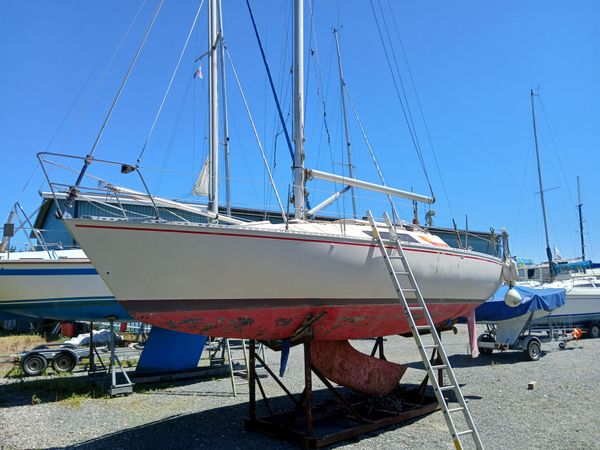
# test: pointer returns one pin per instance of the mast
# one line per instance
(226, 141)
(539, 168)
(580, 220)
(299, 180)
(213, 103)
(343, 97)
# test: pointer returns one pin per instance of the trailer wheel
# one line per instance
(562, 345)
(534, 350)
(34, 365)
(594, 331)
(63, 362)
(484, 350)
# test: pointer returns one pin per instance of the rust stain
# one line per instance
(283, 322)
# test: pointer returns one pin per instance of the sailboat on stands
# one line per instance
(265, 280)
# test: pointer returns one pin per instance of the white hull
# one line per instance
(262, 281)
(582, 303)
(65, 288)
(166, 261)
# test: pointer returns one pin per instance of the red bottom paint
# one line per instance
(338, 323)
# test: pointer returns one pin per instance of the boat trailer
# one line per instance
(520, 334)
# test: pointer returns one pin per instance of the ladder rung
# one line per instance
(409, 290)
(396, 257)
(422, 327)
(456, 409)
(415, 307)
(462, 433)
(430, 346)
(441, 366)
(447, 388)
(401, 272)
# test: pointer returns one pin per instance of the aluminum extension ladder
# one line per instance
(235, 366)
(407, 274)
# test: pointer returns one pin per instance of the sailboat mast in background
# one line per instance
(579, 205)
(539, 167)
(345, 116)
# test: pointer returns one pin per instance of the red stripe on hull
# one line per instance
(339, 322)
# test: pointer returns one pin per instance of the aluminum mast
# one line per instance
(213, 102)
(539, 167)
(299, 181)
(226, 141)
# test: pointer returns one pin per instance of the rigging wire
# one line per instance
(321, 94)
(264, 58)
(422, 114)
(88, 159)
(554, 139)
(283, 90)
(399, 95)
(371, 152)
(104, 74)
(256, 136)
(166, 94)
(78, 96)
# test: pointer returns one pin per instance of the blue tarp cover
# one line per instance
(532, 299)
(563, 267)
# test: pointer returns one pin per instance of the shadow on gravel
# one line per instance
(497, 358)
(33, 391)
(28, 391)
(216, 428)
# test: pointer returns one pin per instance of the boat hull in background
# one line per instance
(57, 289)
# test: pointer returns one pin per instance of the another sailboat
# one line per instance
(582, 307)
(50, 283)
(264, 280)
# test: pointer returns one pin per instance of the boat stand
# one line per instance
(119, 382)
(314, 425)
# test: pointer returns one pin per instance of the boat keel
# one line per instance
(341, 363)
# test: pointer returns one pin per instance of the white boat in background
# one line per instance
(582, 306)
(55, 284)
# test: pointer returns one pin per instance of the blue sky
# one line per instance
(473, 64)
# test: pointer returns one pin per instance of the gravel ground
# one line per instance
(561, 412)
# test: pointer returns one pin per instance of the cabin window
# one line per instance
(401, 236)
